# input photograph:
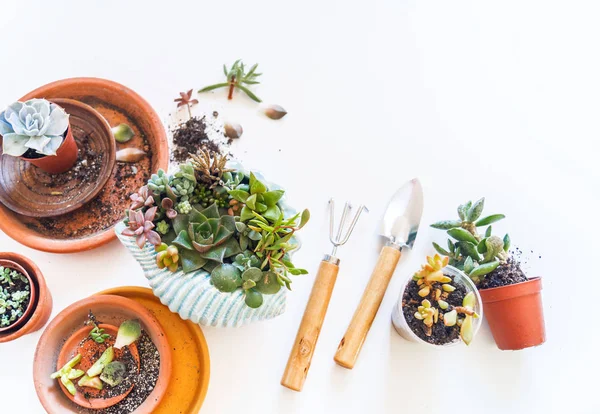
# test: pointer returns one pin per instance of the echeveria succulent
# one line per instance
(140, 225)
(35, 124)
(204, 236)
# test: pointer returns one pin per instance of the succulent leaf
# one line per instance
(483, 269)
(489, 220)
(461, 234)
(440, 250)
(469, 249)
(446, 224)
(475, 210)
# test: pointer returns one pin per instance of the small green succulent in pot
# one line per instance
(36, 125)
(477, 255)
(14, 296)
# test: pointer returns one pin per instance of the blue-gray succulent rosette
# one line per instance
(36, 124)
(216, 250)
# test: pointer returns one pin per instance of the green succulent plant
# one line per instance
(159, 182)
(258, 199)
(12, 302)
(163, 227)
(184, 207)
(205, 238)
(475, 254)
(168, 256)
(205, 196)
(184, 182)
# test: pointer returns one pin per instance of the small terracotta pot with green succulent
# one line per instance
(17, 296)
(439, 306)
(512, 301)
(222, 238)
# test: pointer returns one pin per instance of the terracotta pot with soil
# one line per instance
(103, 354)
(23, 291)
(65, 157)
(512, 302)
(438, 306)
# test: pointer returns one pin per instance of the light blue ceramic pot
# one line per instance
(193, 297)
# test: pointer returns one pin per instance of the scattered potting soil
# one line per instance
(440, 333)
(189, 137)
(505, 274)
(144, 381)
(109, 206)
(86, 169)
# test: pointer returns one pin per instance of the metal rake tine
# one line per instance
(352, 225)
(347, 208)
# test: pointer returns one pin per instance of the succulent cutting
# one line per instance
(237, 78)
(213, 218)
(37, 125)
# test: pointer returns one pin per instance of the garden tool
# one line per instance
(316, 308)
(399, 226)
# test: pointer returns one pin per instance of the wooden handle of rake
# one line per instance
(357, 331)
(308, 333)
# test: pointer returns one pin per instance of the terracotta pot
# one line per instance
(515, 314)
(109, 309)
(116, 103)
(42, 305)
(65, 157)
(32, 295)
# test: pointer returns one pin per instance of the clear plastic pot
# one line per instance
(460, 278)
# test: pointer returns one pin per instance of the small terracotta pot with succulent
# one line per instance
(25, 301)
(38, 131)
(439, 306)
(512, 301)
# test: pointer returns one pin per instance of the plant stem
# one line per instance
(231, 87)
(189, 110)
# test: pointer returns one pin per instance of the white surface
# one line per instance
(476, 98)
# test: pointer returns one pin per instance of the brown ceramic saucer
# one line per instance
(29, 191)
(80, 343)
(91, 226)
(109, 309)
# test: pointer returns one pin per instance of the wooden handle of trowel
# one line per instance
(357, 331)
(310, 327)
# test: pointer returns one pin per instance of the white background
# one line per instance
(477, 98)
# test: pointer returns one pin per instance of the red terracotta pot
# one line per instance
(515, 314)
(65, 157)
(32, 295)
(42, 307)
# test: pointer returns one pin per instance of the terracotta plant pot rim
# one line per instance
(30, 238)
(22, 320)
(43, 306)
(515, 290)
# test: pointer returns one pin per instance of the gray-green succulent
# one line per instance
(184, 182)
(477, 255)
(13, 302)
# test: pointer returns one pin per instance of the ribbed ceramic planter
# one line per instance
(193, 297)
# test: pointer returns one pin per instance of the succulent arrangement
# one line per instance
(443, 310)
(213, 218)
(476, 254)
(105, 370)
(14, 296)
(34, 127)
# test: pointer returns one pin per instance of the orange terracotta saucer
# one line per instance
(109, 309)
(191, 363)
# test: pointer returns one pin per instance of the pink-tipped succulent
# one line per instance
(142, 198)
(140, 226)
(167, 204)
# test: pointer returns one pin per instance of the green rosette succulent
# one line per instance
(184, 182)
(159, 184)
(205, 238)
(258, 199)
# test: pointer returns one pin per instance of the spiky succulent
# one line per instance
(475, 254)
(210, 167)
(184, 182)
